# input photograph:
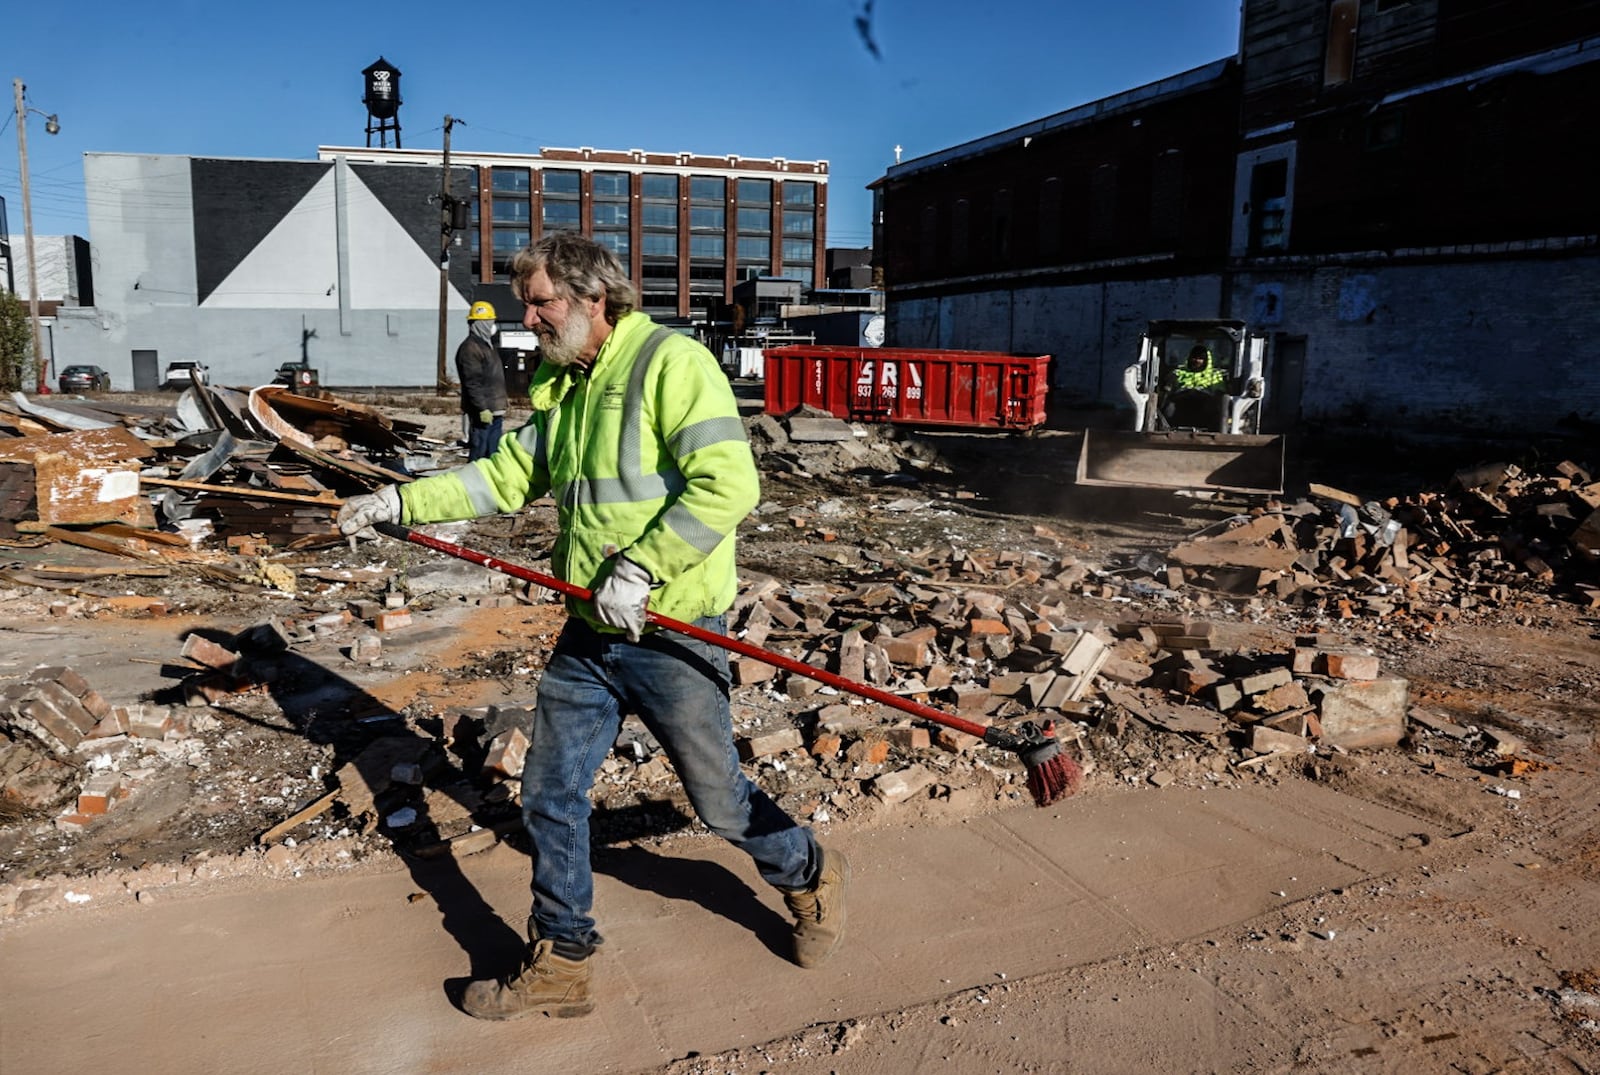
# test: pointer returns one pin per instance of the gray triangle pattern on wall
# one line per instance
(236, 204)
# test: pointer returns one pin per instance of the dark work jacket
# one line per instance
(483, 377)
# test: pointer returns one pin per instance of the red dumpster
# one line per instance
(984, 389)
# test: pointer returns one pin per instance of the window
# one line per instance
(752, 248)
(659, 244)
(1103, 205)
(1339, 62)
(705, 218)
(561, 216)
(797, 250)
(1050, 217)
(660, 187)
(707, 188)
(928, 247)
(616, 241)
(1386, 129)
(558, 182)
(508, 241)
(960, 219)
(1166, 197)
(797, 271)
(509, 212)
(1000, 218)
(798, 223)
(758, 221)
(610, 214)
(755, 192)
(1269, 193)
(799, 193)
(708, 246)
(510, 181)
(658, 215)
(611, 184)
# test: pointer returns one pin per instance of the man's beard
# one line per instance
(565, 346)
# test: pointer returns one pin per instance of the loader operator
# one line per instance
(636, 434)
(1191, 390)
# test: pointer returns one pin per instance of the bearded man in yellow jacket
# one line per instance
(636, 435)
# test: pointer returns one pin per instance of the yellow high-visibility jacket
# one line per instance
(645, 454)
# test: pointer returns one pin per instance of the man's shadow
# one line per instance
(367, 735)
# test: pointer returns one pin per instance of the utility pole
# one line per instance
(446, 222)
(43, 385)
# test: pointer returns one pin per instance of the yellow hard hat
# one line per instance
(481, 311)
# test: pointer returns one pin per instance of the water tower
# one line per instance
(382, 98)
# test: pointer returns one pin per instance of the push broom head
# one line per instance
(1052, 776)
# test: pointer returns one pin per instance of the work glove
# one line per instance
(360, 512)
(485, 417)
(620, 599)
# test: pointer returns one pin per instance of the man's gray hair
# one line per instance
(578, 266)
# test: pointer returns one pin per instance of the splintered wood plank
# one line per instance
(73, 491)
(112, 444)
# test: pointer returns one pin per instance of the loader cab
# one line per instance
(1201, 355)
(1224, 401)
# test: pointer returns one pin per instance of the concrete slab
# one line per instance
(353, 973)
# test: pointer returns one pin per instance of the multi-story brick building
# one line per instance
(687, 226)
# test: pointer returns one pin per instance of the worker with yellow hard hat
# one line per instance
(483, 382)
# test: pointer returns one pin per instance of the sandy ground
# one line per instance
(1394, 910)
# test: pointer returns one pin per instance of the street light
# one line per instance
(51, 126)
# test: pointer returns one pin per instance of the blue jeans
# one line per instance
(482, 440)
(678, 686)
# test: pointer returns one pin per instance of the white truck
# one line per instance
(1186, 437)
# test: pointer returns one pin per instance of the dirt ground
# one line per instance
(1482, 954)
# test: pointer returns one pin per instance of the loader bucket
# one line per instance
(1235, 463)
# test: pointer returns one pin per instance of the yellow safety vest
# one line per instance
(646, 454)
(1209, 377)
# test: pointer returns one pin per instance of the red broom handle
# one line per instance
(737, 645)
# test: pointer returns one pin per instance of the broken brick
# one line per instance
(392, 619)
(764, 746)
(1350, 665)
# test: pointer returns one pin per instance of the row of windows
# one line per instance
(508, 241)
(653, 186)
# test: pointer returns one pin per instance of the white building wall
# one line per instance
(337, 266)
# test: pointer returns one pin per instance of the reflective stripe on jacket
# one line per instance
(645, 454)
(1209, 377)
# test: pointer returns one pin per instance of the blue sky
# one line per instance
(753, 77)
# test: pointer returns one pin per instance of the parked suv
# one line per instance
(85, 379)
(181, 375)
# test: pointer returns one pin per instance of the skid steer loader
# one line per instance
(1185, 437)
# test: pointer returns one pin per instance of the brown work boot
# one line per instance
(547, 983)
(819, 911)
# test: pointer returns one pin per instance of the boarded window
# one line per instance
(1166, 198)
(1103, 205)
(1002, 225)
(1050, 217)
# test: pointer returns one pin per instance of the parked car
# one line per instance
(85, 379)
(181, 375)
(295, 375)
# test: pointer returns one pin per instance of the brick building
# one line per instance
(687, 226)
(1387, 186)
